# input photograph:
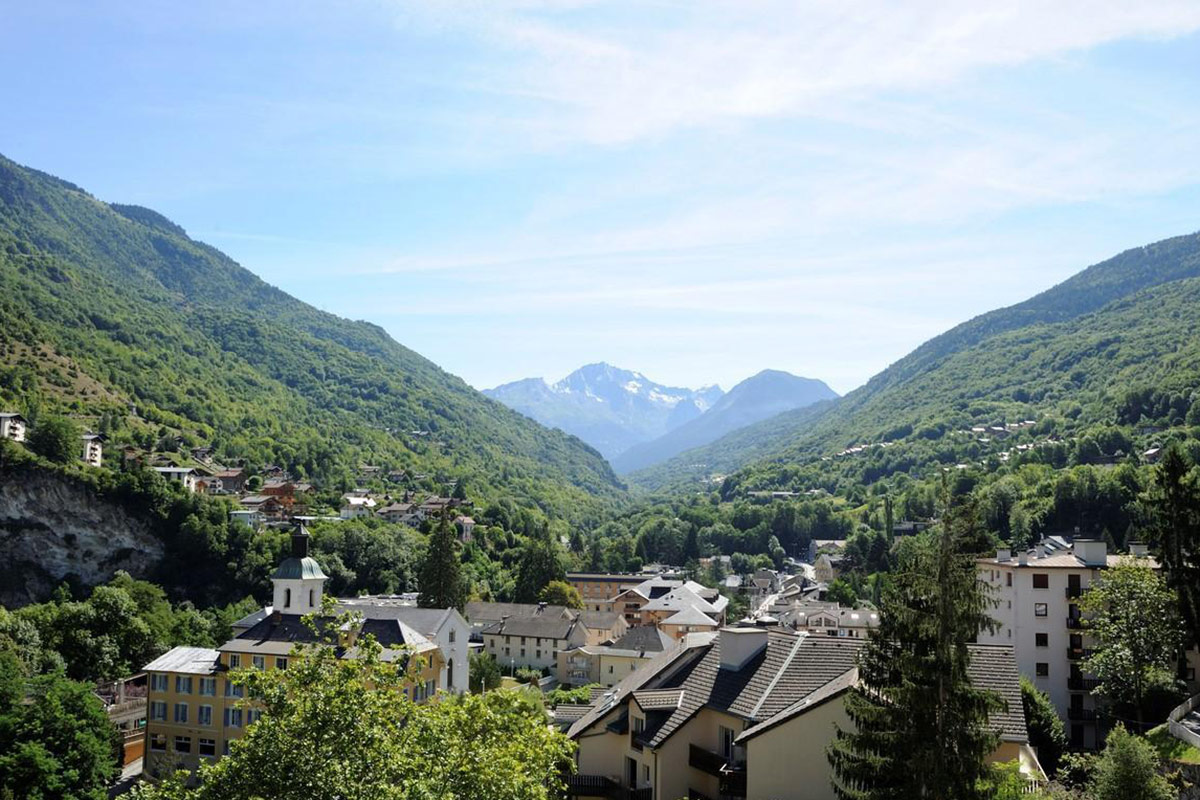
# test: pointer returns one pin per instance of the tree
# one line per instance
(484, 672)
(1128, 770)
(56, 439)
(1046, 731)
(441, 580)
(1135, 624)
(915, 704)
(561, 593)
(345, 729)
(539, 565)
(1173, 503)
(55, 739)
(841, 592)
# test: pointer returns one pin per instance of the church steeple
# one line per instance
(299, 581)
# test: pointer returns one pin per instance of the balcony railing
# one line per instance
(1082, 684)
(732, 774)
(1075, 623)
(1081, 714)
(1079, 653)
(605, 787)
(705, 760)
(1074, 591)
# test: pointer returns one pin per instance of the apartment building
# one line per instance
(609, 664)
(599, 588)
(194, 708)
(747, 712)
(92, 449)
(1037, 605)
(532, 642)
(12, 426)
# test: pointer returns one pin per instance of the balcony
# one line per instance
(1082, 684)
(705, 760)
(635, 740)
(1075, 623)
(731, 774)
(1079, 653)
(605, 787)
(1074, 592)
(1081, 714)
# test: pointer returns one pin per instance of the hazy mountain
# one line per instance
(113, 314)
(759, 397)
(1115, 342)
(611, 409)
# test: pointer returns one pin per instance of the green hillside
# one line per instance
(112, 314)
(1100, 362)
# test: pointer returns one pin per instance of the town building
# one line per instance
(92, 449)
(599, 588)
(233, 480)
(1037, 607)
(827, 618)
(357, 506)
(402, 513)
(12, 426)
(610, 663)
(748, 713)
(194, 709)
(532, 641)
(185, 476)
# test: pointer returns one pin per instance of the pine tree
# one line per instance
(441, 578)
(920, 729)
(539, 564)
(1174, 505)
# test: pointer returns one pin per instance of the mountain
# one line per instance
(1113, 345)
(759, 397)
(610, 408)
(111, 313)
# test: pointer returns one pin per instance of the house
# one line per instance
(92, 450)
(609, 664)
(481, 615)
(686, 595)
(602, 626)
(688, 619)
(194, 710)
(824, 570)
(357, 506)
(402, 513)
(829, 619)
(233, 480)
(249, 517)
(185, 476)
(532, 641)
(1152, 456)
(466, 528)
(746, 713)
(12, 426)
(1038, 612)
(599, 588)
(125, 706)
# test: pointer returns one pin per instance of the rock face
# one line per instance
(53, 529)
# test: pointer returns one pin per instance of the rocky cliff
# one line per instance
(54, 529)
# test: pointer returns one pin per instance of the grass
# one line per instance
(1171, 749)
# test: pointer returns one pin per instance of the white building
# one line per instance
(12, 426)
(1037, 595)
(182, 475)
(92, 451)
(356, 506)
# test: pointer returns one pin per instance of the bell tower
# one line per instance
(299, 581)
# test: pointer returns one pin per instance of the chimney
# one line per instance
(1092, 552)
(1039, 550)
(1023, 558)
(739, 646)
(1139, 549)
(300, 539)
(1003, 555)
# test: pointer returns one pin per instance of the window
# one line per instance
(233, 690)
(280, 662)
(181, 713)
(1041, 580)
(235, 661)
(183, 744)
(207, 747)
(252, 716)
(522, 652)
(233, 718)
(726, 736)
(158, 711)
(522, 640)
(450, 673)
(208, 687)
(259, 662)
(287, 598)
(508, 640)
(1008, 575)
(610, 669)
(183, 684)
(1041, 639)
(1042, 669)
(430, 688)
(204, 716)
(507, 651)
(537, 653)
(158, 682)
(158, 742)
(1039, 609)
(310, 598)
(452, 635)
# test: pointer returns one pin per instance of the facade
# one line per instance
(92, 449)
(746, 713)
(829, 619)
(609, 664)
(533, 642)
(357, 507)
(599, 588)
(1037, 595)
(186, 476)
(12, 426)
(194, 709)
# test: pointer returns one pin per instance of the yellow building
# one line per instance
(745, 713)
(194, 709)
(609, 664)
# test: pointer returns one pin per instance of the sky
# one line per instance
(694, 190)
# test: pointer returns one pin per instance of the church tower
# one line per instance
(299, 581)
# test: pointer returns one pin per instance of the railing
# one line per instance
(603, 786)
(1079, 653)
(635, 739)
(1175, 723)
(1081, 714)
(1082, 684)
(1074, 591)
(705, 760)
(1075, 623)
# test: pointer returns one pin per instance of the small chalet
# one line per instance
(12, 426)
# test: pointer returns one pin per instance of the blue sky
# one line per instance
(693, 190)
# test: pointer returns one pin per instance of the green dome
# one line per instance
(298, 568)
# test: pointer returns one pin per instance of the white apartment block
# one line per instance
(1037, 595)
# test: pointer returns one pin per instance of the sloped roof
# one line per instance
(994, 667)
(293, 568)
(689, 616)
(539, 627)
(480, 611)
(658, 699)
(599, 619)
(426, 621)
(646, 638)
(680, 598)
(187, 660)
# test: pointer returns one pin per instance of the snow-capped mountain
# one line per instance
(611, 409)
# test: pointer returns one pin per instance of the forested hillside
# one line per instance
(113, 315)
(1104, 364)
